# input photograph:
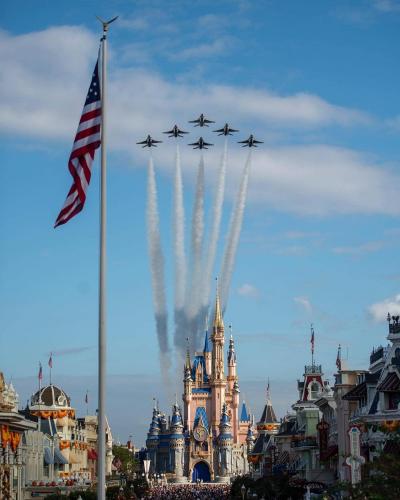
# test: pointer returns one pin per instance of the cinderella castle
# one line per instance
(208, 441)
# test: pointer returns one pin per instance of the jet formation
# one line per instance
(225, 130)
(149, 142)
(175, 132)
(251, 142)
(201, 121)
(200, 144)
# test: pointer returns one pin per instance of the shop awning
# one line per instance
(358, 392)
(59, 457)
(48, 456)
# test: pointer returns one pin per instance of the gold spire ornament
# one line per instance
(218, 321)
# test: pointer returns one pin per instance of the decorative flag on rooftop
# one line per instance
(51, 360)
(312, 340)
(87, 140)
(40, 375)
(339, 358)
(86, 398)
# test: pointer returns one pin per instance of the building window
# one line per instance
(314, 390)
(394, 400)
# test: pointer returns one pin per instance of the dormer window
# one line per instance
(314, 390)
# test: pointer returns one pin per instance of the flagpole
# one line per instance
(102, 348)
(51, 364)
(101, 433)
(40, 396)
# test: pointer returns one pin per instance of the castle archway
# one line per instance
(201, 471)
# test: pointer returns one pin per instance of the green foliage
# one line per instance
(128, 462)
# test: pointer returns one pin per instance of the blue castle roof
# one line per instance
(176, 419)
(207, 343)
(201, 415)
(199, 360)
(244, 415)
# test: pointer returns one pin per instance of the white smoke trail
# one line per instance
(215, 229)
(235, 228)
(157, 268)
(179, 236)
(193, 297)
(180, 258)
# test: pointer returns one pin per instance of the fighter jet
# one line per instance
(175, 132)
(250, 142)
(225, 130)
(200, 144)
(201, 121)
(149, 142)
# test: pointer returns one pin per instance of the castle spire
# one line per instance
(218, 321)
(187, 361)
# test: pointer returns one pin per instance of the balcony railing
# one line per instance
(309, 369)
(307, 442)
(358, 412)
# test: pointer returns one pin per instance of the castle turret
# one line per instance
(268, 422)
(232, 376)
(207, 353)
(153, 437)
(218, 339)
(176, 444)
(250, 439)
(225, 441)
(188, 384)
(218, 381)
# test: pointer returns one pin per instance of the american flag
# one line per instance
(40, 375)
(87, 140)
(339, 358)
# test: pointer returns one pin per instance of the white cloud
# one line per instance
(304, 302)
(387, 5)
(369, 247)
(248, 290)
(44, 79)
(211, 49)
(380, 310)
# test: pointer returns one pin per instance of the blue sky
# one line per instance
(317, 81)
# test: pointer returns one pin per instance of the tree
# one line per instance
(128, 463)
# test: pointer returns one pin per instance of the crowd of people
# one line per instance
(190, 491)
